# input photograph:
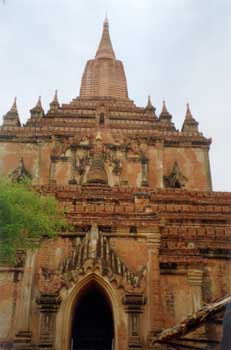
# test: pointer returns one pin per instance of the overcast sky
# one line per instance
(179, 50)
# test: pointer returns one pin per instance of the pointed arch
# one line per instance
(68, 307)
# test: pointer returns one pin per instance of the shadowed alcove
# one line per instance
(92, 327)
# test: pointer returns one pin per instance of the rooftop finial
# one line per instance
(14, 105)
(150, 109)
(37, 111)
(56, 96)
(164, 108)
(39, 103)
(12, 118)
(149, 103)
(188, 112)
(54, 105)
(164, 114)
(190, 124)
(106, 18)
(105, 49)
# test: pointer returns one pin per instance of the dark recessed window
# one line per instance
(133, 229)
(101, 119)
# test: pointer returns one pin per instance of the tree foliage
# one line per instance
(25, 217)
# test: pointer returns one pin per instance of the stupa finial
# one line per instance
(14, 105)
(105, 49)
(188, 114)
(190, 124)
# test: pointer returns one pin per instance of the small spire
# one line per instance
(14, 105)
(188, 114)
(12, 118)
(106, 19)
(150, 109)
(39, 103)
(165, 115)
(149, 106)
(54, 105)
(164, 108)
(37, 111)
(56, 96)
(190, 124)
(105, 49)
(55, 101)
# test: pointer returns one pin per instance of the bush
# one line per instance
(25, 217)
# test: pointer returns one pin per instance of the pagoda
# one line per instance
(151, 240)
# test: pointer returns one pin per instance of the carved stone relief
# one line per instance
(92, 251)
(89, 157)
(175, 179)
(76, 154)
(20, 173)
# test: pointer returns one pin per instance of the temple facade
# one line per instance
(151, 240)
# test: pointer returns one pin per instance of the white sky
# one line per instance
(179, 50)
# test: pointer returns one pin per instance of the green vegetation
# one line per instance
(25, 217)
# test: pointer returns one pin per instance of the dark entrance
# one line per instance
(93, 322)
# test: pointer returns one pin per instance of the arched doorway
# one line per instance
(92, 327)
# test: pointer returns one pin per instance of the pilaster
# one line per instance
(195, 279)
(134, 305)
(23, 333)
(52, 170)
(48, 307)
(144, 173)
(153, 283)
(73, 165)
(160, 164)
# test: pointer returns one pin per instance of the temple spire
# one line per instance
(12, 118)
(55, 100)
(37, 111)
(106, 18)
(190, 124)
(149, 105)
(105, 49)
(54, 105)
(39, 104)
(104, 76)
(14, 106)
(164, 108)
(188, 113)
(165, 115)
(150, 109)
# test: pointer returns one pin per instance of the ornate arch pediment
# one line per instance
(91, 253)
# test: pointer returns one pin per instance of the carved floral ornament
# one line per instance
(91, 253)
